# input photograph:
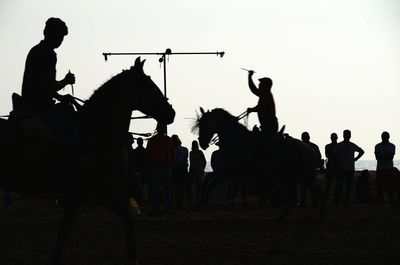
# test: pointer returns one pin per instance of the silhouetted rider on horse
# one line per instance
(266, 105)
(40, 87)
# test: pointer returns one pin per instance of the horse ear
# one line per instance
(142, 63)
(201, 110)
(137, 62)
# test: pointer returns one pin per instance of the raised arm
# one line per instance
(252, 87)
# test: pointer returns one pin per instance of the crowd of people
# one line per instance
(340, 167)
(168, 168)
(167, 174)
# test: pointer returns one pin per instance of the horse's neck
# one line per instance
(234, 136)
(106, 114)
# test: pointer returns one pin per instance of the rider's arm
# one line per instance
(252, 87)
(69, 79)
(253, 109)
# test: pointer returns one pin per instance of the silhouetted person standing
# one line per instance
(133, 185)
(196, 169)
(266, 105)
(180, 176)
(305, 137)
(384, 153)
(331, 165)
(141, 163)
(160, 149)
(345, 153)
(40, 87)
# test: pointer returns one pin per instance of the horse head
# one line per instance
(207, 126)
(147, 97)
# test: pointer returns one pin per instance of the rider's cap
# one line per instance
(266, 81)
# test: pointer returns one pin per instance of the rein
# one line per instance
(244, 114)
(78, 99)
(147, 135)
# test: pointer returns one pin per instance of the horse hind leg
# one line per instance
(68, 220)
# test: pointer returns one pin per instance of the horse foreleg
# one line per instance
(210, 182)
(64, 229)
(320, 195)
(243, 188)
(213, 184)
(124, 213)
(291, 202)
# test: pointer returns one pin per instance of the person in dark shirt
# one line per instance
(331, 165)
(40, 87)
(132, 181)
(160, 150)
(266, 105)
(180, 179)
(305, 137)
(345, 152)
(384, 153)
(140, 160)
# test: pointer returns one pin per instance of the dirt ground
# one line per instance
(356, 234)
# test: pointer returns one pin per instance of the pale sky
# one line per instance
(335, 64)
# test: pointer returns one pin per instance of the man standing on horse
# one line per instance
(39, 86)
(266, 105)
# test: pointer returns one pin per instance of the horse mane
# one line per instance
(196, 124)
(223, 115)
(108, 90)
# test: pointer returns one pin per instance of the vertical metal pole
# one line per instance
(165, 83)
(165, 75)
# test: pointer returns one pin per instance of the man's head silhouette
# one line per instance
(385, 137)
(54, 32)
(334, 137)
(305, 137)
(176, 140)
(265, 83)
(346, 135)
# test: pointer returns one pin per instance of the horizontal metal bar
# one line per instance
(159, 53)
(106, 54)
(140, 117)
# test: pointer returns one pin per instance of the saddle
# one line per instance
(27, 123)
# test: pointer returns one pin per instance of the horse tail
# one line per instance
(6, 139)
(6, 135)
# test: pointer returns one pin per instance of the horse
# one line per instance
(95, 174)
(279, 161)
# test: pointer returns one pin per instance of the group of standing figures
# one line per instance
(166, 168)
(340, 167)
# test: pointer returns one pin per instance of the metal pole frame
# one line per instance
(162, 59)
